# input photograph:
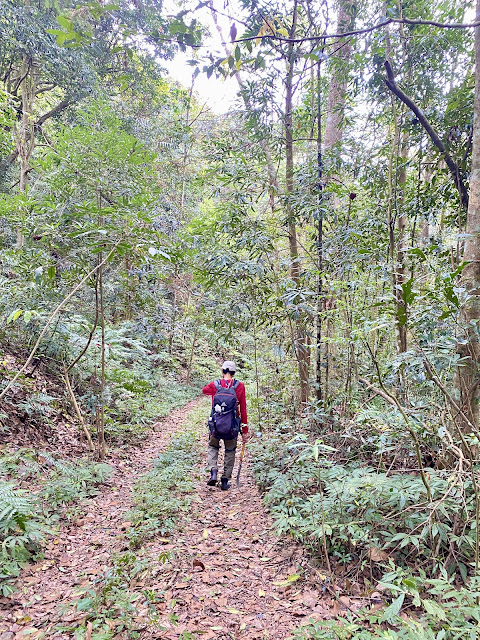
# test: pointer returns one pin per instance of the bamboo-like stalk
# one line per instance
(77, 408)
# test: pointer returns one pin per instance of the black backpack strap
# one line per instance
(235, 384)
(217, 384)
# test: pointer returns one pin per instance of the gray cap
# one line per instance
(230, 365)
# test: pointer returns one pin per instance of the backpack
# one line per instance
(224, 424)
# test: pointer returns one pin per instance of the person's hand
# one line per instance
(245, 437)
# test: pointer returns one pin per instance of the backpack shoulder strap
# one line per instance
(235, 384)
(217, 384)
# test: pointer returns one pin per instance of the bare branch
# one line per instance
(435, 138)
(54, 111)
(356, 32)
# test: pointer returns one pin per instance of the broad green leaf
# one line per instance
(435, 609)
(14, 315)
(394, 609)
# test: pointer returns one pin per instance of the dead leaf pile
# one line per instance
(227, 576)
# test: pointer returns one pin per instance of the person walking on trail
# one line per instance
(229, 412)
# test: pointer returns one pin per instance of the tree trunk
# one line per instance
(400, 304)
(101, 447)
(186, 147)
(320, 295)
(26, 133)
(300, 345)
(128, 288)
(192, 351)
(339, 81)
(334, 127)
(173, 319)
(467, 388)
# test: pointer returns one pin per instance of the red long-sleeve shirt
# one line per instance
(211, 390)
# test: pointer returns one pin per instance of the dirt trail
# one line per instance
(228, 564)
(228, 576)
(82, 548)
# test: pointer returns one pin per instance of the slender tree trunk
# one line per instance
(300, 345)
(257, 375)
(397, 246)
(101, 412)
(467, 380)
(173, 321)
(192, 351)
(320, 295)
(26, 133)
(401, 241)
(186, 147)
(128, 288)
(334, 128)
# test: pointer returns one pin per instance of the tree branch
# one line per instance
(53, 112)
(450, 162)
(356, 32)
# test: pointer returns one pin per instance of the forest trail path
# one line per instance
(82, 549)
(229, 577)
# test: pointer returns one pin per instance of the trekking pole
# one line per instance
(240, 465)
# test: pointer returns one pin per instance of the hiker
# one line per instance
(229, 411)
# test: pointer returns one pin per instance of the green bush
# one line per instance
(433, 610)
(359, 508)
(112, 602)
(21, 532)
(26, 518)
(74, 481)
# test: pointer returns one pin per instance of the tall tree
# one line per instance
(467, 380)
(300, 342)
(340, 59)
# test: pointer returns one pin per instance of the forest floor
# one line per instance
(228, 575)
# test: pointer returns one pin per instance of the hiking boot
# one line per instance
(225, 484)
(213, 478)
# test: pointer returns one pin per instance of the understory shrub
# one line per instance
(374, 520)
(22, 531)
(112, 603)
(433, 609)
(361, 510)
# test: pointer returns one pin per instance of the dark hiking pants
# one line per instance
(213, 448)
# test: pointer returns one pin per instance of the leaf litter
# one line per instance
(228, 575)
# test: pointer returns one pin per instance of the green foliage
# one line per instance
(113, 601)
(71, 482)
(22, 531)
(26, 518)
(442, 612)
(359, 508)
